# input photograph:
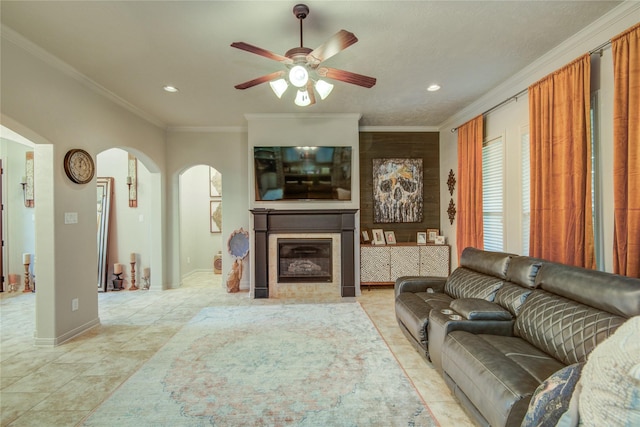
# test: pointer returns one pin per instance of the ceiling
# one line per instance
(133, 48)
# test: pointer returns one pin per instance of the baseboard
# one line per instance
(53, 342)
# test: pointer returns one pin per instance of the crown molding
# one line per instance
(590, 37)
(208, 129)
(288, 116)
(399, 129)
(58, 64)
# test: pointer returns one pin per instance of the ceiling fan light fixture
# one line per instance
(298, 76)
(302, 98)
(279, 87)
(323, 88)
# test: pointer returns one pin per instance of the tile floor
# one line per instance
(59, 386)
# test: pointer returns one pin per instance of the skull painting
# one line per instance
(397, 190)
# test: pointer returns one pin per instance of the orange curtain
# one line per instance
(626, 152)
(469, 223)
(560, 144)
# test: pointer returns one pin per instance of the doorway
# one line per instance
(201, 210)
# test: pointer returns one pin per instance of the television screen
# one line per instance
(302, 173)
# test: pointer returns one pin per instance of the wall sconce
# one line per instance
(132, 181)
(27, 181)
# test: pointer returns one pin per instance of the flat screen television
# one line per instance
(302, 173)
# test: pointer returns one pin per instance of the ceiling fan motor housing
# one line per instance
(300, 11)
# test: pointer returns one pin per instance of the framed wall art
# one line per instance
(397, 190)
(215, 216)
(215, 183)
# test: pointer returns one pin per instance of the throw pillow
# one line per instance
(551, 398)
(611, 380)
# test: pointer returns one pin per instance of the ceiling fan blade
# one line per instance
(338, 42)
(261, 52)
(259, 80)
(346, 76)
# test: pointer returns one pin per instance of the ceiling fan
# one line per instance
(304, 66)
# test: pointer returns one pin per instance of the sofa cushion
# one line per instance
(580, 284)
(511, 297)
(479, 309)
(551, 399)
(523, 270)
(491, 263)
(465, 283)
(564, 329)
(494, 373)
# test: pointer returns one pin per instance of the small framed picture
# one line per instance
(421, 238)
(390, 237)
(440, 240)
(378, 236)
(364, 236)
(432, 233)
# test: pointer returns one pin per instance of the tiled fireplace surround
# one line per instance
(337, 224)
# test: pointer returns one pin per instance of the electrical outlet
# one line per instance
(74, 304)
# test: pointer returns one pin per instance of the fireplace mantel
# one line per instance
(267, 221)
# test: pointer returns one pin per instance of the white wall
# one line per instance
(513, 116)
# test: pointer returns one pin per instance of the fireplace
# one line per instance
(271, 225)
(304, 260)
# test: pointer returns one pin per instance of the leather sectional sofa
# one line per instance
(501, 324)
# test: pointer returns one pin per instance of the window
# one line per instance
(526, 192)
(493, 194)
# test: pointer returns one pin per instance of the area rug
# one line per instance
(276, 365)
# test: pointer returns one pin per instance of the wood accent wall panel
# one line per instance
(424, 145)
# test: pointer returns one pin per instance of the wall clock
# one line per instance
(78, 165)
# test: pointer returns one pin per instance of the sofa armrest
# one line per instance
(419, 284)
(479, 309)
(441, 324)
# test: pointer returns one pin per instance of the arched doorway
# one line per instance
(200, 207)
(134, 221)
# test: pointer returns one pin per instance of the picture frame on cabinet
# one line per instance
(390, 237)
(421, 238)
(440, 240)
(378, 236)
(432, 233)
(364, 236)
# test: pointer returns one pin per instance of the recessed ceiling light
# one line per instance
(170, 88)
(433, 88)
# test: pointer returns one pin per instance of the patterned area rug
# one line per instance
(293, 365)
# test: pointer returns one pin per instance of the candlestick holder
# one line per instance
(146, 283)
(117, 282)
(27, 287)
(133, 286)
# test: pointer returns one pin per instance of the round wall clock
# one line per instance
(78, 165)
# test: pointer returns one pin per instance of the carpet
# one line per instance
(276, 365)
